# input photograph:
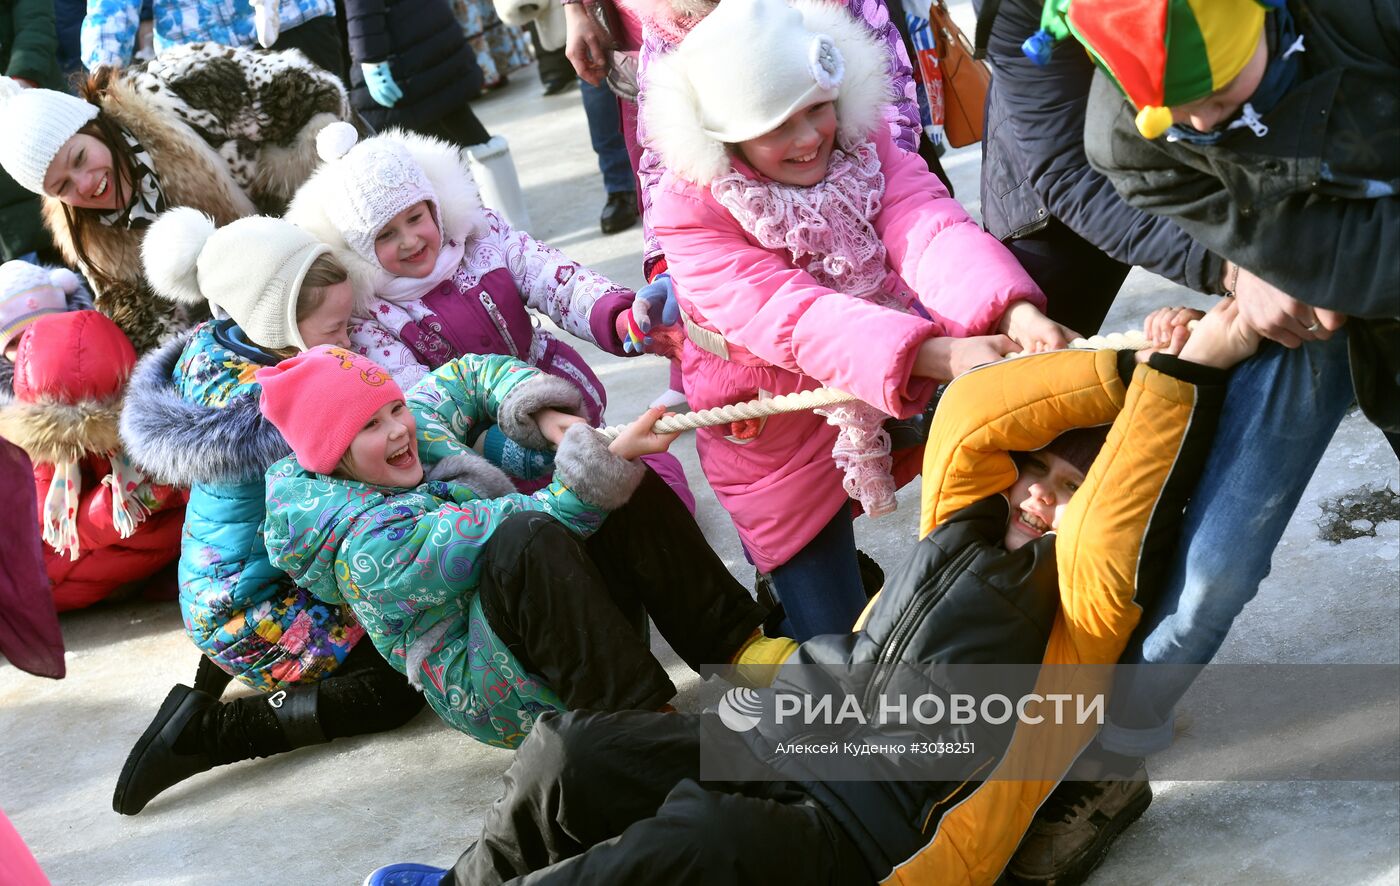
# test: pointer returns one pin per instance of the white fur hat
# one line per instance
(251, 268)
(751, 64)
(38, 122)
(442, 177)
(28, 292)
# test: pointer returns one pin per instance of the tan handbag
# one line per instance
(965, 80)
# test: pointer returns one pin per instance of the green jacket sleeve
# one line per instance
(34, 53)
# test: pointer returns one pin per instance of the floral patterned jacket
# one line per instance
(409, 561)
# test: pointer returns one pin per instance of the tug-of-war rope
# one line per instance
(1133, 340)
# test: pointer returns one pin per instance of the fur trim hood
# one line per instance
(52, 431)
(459, 203)
(672, 111)
(185, 443)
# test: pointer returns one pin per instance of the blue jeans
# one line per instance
(605, 132)
(1281, 409)
(820, 585)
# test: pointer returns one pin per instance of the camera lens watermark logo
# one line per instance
(740, 709)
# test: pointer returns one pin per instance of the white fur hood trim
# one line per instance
(459, 202)
(671, 112)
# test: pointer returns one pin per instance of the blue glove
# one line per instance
(654, 305)
(380, 83)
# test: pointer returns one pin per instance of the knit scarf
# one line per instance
(827, 230)
(391, 287)
(132, 502)
(147, 198)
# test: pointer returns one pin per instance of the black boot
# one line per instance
(153, 764)
(211, 678)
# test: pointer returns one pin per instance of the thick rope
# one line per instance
(1132, 340)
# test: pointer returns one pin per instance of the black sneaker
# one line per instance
(556, 85)
(1073, 829)
(619, 213)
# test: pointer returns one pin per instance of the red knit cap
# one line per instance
(321, 399)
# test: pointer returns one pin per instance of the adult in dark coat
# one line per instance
(29, 54)
(1070, 230)
(411, 66)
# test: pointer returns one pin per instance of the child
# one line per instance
(471, 589)
(192, 418)
(617, 798)
(104, 523)
(808, 250)
(437, 276)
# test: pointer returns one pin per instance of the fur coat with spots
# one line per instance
(230, 132)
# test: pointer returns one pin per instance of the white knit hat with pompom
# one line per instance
(38, 123)
(252, 269)
(28, 292)
(371, 182)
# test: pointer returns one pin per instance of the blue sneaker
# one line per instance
(406, 874)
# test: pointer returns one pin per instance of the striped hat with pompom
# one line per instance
(1160, 53)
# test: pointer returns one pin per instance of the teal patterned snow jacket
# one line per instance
(408, 561)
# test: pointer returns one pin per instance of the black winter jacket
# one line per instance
(1034, 168)
(961, 598)
(428, 55)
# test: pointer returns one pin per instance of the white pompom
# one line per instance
(64, 279)
(171, 253)
(9, 88)
(336, 140)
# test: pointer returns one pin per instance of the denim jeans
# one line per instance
(1281, 409)
(605, 132)
(820, 585)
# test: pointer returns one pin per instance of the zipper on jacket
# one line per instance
(904, 628)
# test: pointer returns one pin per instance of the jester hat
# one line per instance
(1160, 53)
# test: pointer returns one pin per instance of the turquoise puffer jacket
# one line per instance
(408, 561)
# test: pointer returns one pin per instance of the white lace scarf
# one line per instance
(827, 230)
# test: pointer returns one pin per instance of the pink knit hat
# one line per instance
(321, 399)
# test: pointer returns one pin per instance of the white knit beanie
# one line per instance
(38, 122)
(28, 292)
(252, 269)
(372, 182)
(751, 64)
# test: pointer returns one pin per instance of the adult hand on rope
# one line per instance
(637, 439)
(587, 44)
(1223, 338)
(945, 358)
(1033, 331)
(1277, 316)
(1161, 325)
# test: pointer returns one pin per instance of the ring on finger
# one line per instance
(1315, 327)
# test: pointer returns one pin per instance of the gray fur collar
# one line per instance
(474, 472)
(185, 443)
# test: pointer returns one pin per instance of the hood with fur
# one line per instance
(451, 179)
(53, 431)
(184, 443)
(672, 115)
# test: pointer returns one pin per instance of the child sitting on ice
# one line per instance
(808, 250)
(438, 276)
(472, 589)
(191, 418)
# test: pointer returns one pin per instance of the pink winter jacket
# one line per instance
(792, 334)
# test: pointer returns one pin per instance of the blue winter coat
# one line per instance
(191, 418)
(1034, 168)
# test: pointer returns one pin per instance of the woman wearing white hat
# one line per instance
(230, 132)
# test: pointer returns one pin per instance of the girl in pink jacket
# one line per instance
(808, 250)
